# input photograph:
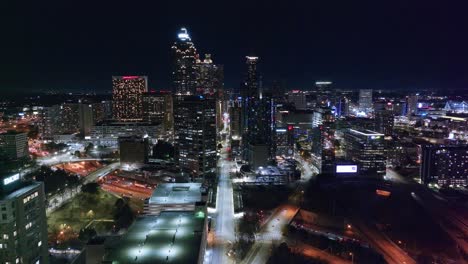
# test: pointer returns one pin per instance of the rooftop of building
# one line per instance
(366, 132)
(177, 193)
(12, 132)
(171, 237)
(18, 189)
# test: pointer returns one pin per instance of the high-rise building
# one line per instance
(67, 118)
(323, 137)
(322, 115)
(133, 149)
(209, 78)
(157, 108)
(235, 115)
(384, 120)
(284, 141)
(195, 133)
(251, 85)
(298, 99)
(367, 148)
(365, 100)
(258, 117)
(444, 164)
(14, 145)
(184, 73)
(412, 105)
(23, 223)
(127, 97)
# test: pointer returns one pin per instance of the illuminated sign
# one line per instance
(346, 168)
(11, 179)
(323, 83)
(281, 130)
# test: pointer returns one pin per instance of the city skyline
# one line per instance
(396, 51)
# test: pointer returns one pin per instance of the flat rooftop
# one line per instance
(176, 193)
(171, 237)
(366, 132)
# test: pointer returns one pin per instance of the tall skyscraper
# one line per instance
(251, 85)
(258, 118)
(365, 100)
(184, 64)
(298, 99)
(209, 77)
(158, 108)
(367, 148)
(127, 97)
(412, 105)
(23, 223)
(195, 133)
(444, 164)
(384, 120)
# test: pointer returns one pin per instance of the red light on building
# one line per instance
(129, 77)
(290, 127)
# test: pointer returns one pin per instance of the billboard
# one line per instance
(346, 169)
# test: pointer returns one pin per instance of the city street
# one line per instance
(269, 233)
(224, 214)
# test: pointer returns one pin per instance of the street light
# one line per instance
(352, 257)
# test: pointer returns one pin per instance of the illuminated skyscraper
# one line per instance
(127, 97)
(209, 77)
(412, 105)
(157, 108)
(184, 64)
(251, 85)
(195, 133)
(365, 100)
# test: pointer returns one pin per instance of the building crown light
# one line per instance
(183, 35)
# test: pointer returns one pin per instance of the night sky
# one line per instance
(78, 45)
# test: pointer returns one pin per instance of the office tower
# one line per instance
(384, 120)
(367, 148)
(365, 100)
(14, 145)
(444, 164)
(284, 141)
(133, 149)
(99, 112)
(412, 105)
(257, 118)
(323, 149)
(127, 97)
(298, 99)
(157, 108)
(342, 107)
(235, 115)
(209, 78)
(184, 64)
(323, 85)
(195, 134)
(251, 84)
(209, 82)
(23, 223)
(321, 115)
(86, 120)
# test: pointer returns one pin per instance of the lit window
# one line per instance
(5, 236)
(39, 243)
